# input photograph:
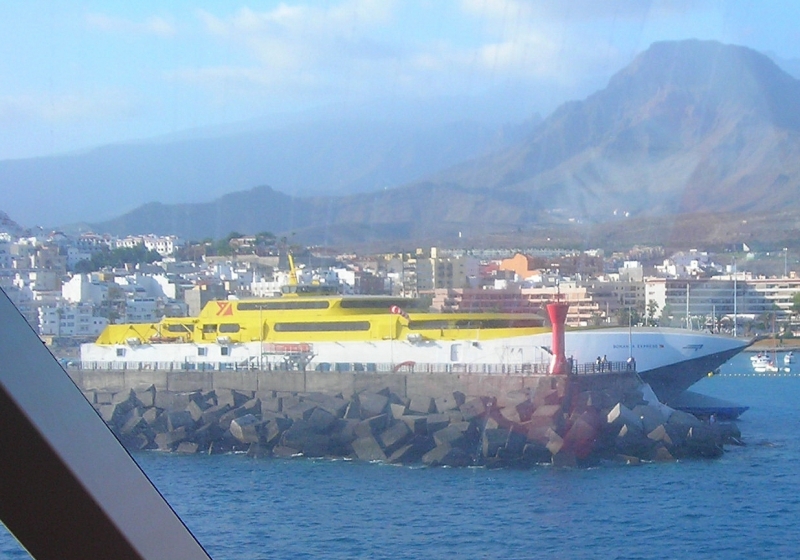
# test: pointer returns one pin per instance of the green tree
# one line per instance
(652, 309)
(796, 304)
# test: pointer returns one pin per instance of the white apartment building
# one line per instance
(81, 288)
(76, 320)
(163, 245)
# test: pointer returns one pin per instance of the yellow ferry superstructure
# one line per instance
(326, 329)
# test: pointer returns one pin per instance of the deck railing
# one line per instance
(357, 367)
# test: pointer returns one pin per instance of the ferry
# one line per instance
(315, 327)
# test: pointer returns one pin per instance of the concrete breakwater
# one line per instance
(564, 420)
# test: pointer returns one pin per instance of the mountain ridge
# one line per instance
(689, 127)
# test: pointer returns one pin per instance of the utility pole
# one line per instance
(734, 297)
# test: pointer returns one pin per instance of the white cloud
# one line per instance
(151, 26)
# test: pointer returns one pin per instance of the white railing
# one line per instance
(357, 367)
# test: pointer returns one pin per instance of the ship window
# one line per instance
(202, 351)
(475, 324)
(229, 327)
(209, 329)
(180, 328)
(120, 352)
(323, 327)
(382, 304)
(282, 305)
(225, 351)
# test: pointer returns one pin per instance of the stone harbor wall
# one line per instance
(569, 421)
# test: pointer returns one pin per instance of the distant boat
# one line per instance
(762, 363)
(788, 358)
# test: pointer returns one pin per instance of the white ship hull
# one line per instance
(670, 359)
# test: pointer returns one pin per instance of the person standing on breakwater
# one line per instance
(598, 364)
(605, 366)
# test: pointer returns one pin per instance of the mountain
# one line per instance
(335, 155)
(689, 127)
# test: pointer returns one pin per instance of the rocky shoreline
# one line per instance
(564, 420)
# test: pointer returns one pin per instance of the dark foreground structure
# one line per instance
(567, 420)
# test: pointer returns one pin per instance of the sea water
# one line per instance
(745, 504)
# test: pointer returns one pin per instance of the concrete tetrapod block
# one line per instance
(534, 453)
(514, 448)
(525, 410)
(232, 397)
(397, 410)
(147, 396)
(554, 442)
(422, 405)
(455, 435)
(128, 396)
(395, 436)
(417, 424)
(106, 412)
(651, 417)
(703, 441)
(207, 434)
(197, 408)
(446, 455)
(274, 429)
(662, 454)
(492, 439)
(133, 424)
(372, 426)
(271, 404)
(353, 410)
(659, 434)
(321, 421)
(413, 451)
(683, 420)
(151, 415)
(300, 411)
(212, 414)
(245, 429)
(547, 411)
(473, 408)
(581, 436)
(621, 414)
(335, 405)
(289, 401)
(169, 440)
(187, 447)
(631, 440)
(372, 404)
(226, 418)
(179, 419)
(368, 449)
(252, 406)
(443, 404)
(544, 397)
(436, 422)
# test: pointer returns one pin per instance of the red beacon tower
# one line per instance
(558, 316)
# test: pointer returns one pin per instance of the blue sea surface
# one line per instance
(745, 504)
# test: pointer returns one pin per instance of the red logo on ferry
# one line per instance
(225, 308)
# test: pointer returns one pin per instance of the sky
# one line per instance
(81, 74)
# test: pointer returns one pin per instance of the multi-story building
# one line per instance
(70, 320)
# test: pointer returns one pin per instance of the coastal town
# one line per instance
(70, 287)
